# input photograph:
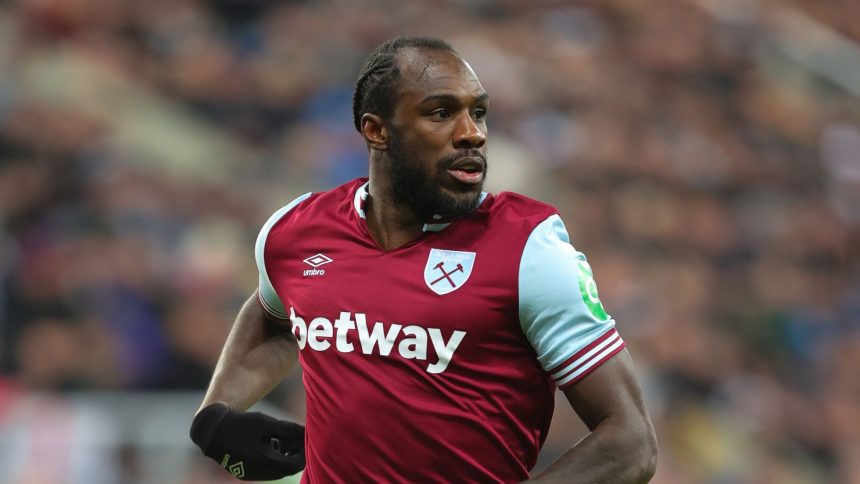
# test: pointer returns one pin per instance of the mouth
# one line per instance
(469, 170)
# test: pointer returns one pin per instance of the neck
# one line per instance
(391, 224)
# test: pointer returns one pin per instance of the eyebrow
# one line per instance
(449, 98)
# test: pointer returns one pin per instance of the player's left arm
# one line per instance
(578, 345)
(622, 446)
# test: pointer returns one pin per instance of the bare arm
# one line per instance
(258, 353)
(622, 446)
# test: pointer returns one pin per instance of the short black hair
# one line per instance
(373, 88)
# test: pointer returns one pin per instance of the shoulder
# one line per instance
(517, 212)
(511, 202)
(308, 207)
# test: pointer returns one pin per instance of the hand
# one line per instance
(250, 446)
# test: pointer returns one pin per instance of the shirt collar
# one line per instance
(434, 225)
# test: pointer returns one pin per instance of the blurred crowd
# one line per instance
(704, 154)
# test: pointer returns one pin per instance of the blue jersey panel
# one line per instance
(559, 309)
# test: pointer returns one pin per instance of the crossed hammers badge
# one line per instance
(448, 270)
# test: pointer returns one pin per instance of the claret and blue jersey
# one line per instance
(437, 360)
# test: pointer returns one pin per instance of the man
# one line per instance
(433, 321)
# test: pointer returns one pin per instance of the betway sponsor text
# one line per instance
(380, 339)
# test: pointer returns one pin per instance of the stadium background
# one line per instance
(705, 154)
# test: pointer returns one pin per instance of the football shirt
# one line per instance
(436, 361)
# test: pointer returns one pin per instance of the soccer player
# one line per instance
(433, 321)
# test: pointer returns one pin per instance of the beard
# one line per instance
(414, 187)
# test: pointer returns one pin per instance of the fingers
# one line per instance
(285, 437)
(287, 431)
(289, 464)
(276, 444)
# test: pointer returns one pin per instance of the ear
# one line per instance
(374, 131)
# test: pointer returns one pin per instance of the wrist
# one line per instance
(209, 403)
(206, 423)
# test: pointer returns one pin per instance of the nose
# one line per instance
(468, 134)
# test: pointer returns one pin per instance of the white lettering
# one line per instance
(314, 272)
(344, 324)
(319, 328)
(445, 351)
(380, 339)
(299, 329)
(414, 346)
(377, 337)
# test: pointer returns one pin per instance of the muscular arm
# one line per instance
(621, 447)
(258, 353)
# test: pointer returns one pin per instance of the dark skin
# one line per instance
(440, 111)
(259, 353)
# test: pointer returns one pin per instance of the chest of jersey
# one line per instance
(423, 341)
(422, 304)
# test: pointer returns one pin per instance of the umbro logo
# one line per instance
(237, 469)
(315, 261)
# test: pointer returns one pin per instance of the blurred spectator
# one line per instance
(707, 163)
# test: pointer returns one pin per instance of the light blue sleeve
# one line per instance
(268, 297)
(560, 311)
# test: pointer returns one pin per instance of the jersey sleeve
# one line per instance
(268, 297)
(559, 308)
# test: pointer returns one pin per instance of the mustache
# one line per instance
(447, 161)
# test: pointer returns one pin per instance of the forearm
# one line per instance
(257, 355)
(622, 446)
(612, 453)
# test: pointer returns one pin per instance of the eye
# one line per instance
(479, 114)
(440, 114)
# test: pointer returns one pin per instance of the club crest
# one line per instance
(447, 270)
